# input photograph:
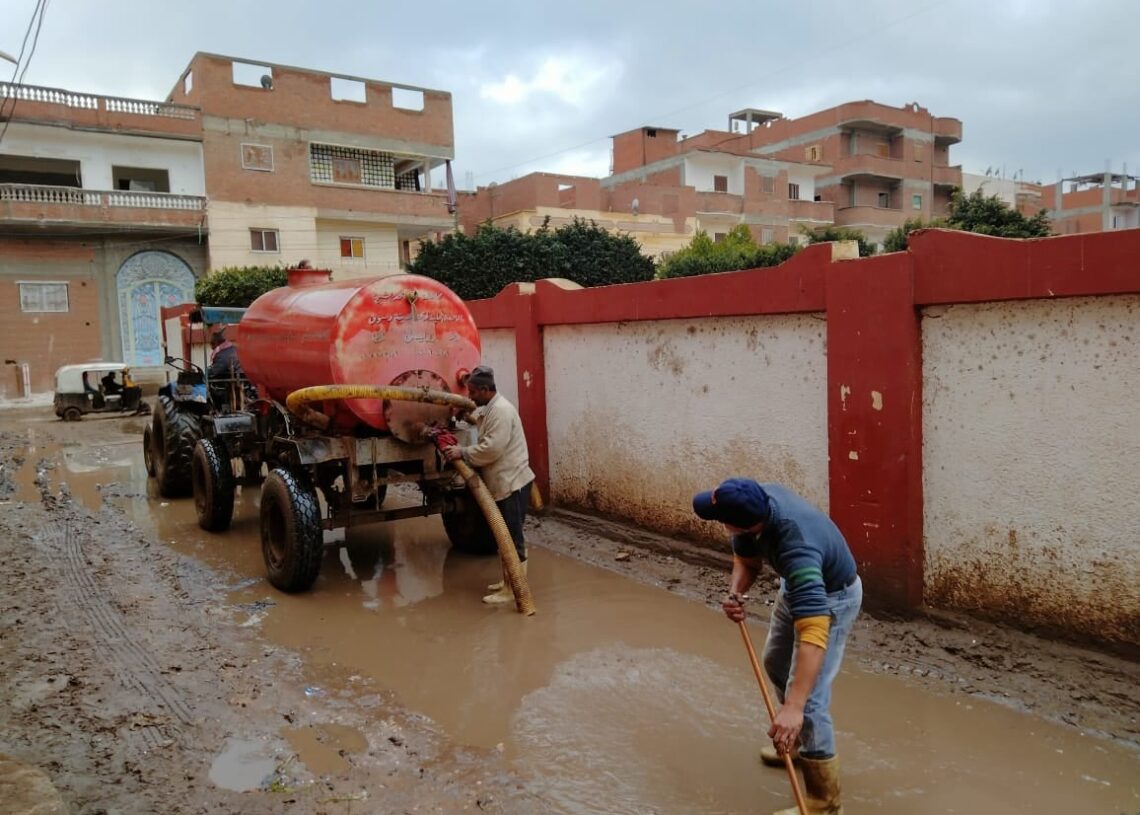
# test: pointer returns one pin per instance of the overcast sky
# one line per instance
(1040, 85)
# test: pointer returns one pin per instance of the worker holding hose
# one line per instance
(500, 453)
(819, 598)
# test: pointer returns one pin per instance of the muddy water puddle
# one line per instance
(616, 697)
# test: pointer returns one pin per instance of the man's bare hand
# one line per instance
(733, 606)
(452, 453)
(785, 729)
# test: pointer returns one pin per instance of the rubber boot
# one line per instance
(494, 587)
(821, 787)
(503, 594)
(770, 758)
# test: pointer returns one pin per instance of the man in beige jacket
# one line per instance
(502, 458)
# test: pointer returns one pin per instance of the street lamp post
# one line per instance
(6, 56)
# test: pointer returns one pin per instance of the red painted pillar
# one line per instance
(531, 365)
(874, 405)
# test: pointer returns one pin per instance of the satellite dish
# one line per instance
(267, 82)
(634, 206)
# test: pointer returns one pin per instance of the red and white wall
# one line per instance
(964, 410)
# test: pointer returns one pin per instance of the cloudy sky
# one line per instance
(1041, 86)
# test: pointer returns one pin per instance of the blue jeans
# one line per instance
(817, 739)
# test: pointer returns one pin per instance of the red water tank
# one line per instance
(398, 330)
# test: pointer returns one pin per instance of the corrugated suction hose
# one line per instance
(298, 403)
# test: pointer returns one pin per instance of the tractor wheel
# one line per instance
(292, 542)
(467, 529)
(72, 414)
(174, 434)
(213, 477)
(148, 450)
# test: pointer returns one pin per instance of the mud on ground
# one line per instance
(1087, 689)
(124, 670)
(124, 674)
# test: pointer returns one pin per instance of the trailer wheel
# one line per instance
(292, 542)
(213, 477)
(148, 450)
(467, 529)
(173, 436)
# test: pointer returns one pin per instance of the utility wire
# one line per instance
(846, 44)
(37, 21)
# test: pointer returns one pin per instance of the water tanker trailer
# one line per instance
(348, 375)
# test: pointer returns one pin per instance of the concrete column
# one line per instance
(874, 409)
(1106, 201)
(427, 175)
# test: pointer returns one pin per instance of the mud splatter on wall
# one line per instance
(642, 415)
(499, 353)
(1031, 444)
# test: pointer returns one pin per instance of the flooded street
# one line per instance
(617, 697)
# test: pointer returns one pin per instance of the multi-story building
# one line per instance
(339, 170)
(883, 164)
(862, 165)
(103, 201)
(1099, 202)
(102, 221)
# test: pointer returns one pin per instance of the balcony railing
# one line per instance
(42, 194)
(88, 101)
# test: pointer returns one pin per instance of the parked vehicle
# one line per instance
(96, 387)
(347, 376)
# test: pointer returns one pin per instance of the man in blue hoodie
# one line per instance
(819, 598)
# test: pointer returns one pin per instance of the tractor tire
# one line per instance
(213, 477)
(148, 450)
(292, 541)
(467, 529)
(173, 436)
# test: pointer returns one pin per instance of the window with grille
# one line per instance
(916, 202)
(794, 192)
(767, 184)
(49, 297)
(352, 247)
(264, 240)
(720, 183)
(329, 164)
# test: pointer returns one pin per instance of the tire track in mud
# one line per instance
(129, 661)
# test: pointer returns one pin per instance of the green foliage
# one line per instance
(238, 286)
(828, 234)
(481, 265)
(989, 215)
(986, 215)
(898, 239)
(738, 250)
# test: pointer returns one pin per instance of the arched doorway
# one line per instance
(146, 282)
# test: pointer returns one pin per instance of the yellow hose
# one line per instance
(298, 400)
(524, 602)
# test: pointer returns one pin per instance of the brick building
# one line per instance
(306, 164)
(102, 221)
(111, 208)
(863, 164)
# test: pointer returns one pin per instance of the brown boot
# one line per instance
(821, 787)
(770, 758)
(503, 594)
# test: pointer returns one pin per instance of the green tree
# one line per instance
(986, 215)
(238, 286)
(481, 265)
(989, 215)
(898, 239)
(827, 234)
(738, 250)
